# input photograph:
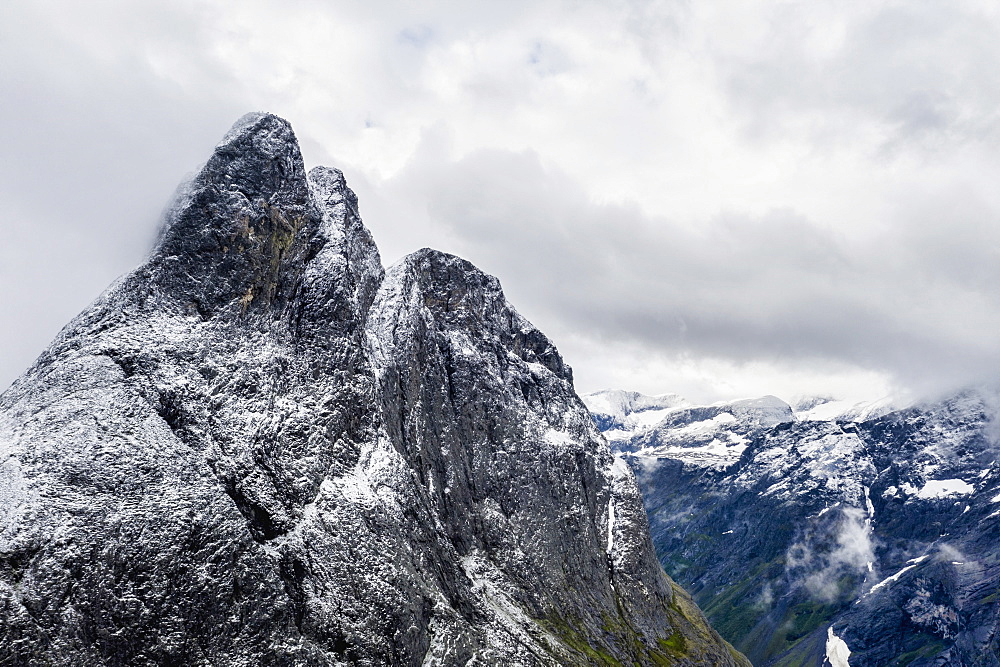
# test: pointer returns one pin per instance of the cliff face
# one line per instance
(258, 449)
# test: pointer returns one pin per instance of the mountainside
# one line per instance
(833, 535)
(260, 448)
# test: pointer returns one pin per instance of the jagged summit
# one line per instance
(241, 220)
(261, 448)
(258, 164)
(461, 296)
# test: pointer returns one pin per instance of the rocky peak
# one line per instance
(238, 222)
(482, 405)
(257, 449)
(330, 187)
(459, 298)
(260, 157)
(342, 254)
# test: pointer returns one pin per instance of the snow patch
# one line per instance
(837, 651)
(621, 482)
(705, 427)
(558, 438)
(371, 482)
(847, 410)
(461, 344)
(942, 488)
(895, 577)
(716, 454)
(611, 526)
(13, 497)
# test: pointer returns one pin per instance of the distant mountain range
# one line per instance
(826, 533)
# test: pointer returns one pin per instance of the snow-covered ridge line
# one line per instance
(636, 412)
(895, 577)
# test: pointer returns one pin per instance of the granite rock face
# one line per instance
(259, 448)
(863, 530)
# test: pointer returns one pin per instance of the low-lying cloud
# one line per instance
(819, 562)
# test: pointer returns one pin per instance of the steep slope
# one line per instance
(875, 537)
(255, 450)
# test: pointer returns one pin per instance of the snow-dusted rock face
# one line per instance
(864, 541)
(256, 450)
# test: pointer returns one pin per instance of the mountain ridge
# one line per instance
(261, 447)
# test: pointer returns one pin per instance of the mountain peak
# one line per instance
(284, 455)
(235, 223)
(330, 187)
(254, 123)
(260, 158)
(460, 297)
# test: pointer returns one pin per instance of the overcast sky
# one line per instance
(718, 199)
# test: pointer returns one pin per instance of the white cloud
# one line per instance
(725, 198)
(819, 561)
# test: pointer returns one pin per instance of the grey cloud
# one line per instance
(108, 105)
(924, 74)
(93, 146)
(774, 287)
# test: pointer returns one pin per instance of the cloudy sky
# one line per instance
(719, 199)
